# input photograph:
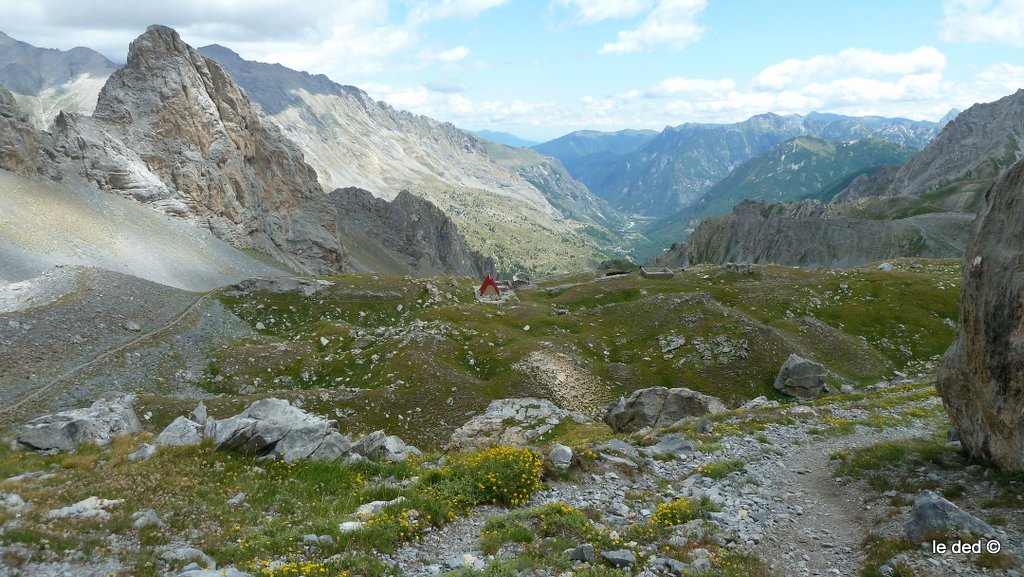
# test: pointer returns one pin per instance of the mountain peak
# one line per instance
(154, 45)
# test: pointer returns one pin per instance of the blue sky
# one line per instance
(542, 68)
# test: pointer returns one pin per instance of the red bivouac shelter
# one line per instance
(489, 288)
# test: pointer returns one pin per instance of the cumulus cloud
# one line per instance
(984, 21)
(445, 9)
(671, 23)
(857, 61)
(589, 11)
(340, 39)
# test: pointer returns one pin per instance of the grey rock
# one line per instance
(761, 402)
(19, 140)
(90, 508)
(619, 558)
(199, 414)
(146, 518)
(273, 427)
(378, 446)
(801, 378)
(980, 380)
(659, 407)
(237, 499)
(226, 572)
(182, 432)
(673, 445)
(65, 431)
(561, 456)
(934, 513)
(583, 553)
(145, 452)
(132, 326)
(189, 555)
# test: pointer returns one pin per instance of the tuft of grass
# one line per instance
(720, 469)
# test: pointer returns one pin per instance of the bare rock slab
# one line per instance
(67, 430)
(659, 407)
(801, 378)
(934, 514)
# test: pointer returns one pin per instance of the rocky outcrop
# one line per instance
(659, 407)
(801, 378)
(412, 231)
(19, 141)
(813, 234)
(173, 131)
(515, 422)
(274, 428)
(981, 380)
(67, 430)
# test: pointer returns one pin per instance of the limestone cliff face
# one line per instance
(979, 143)
(172, 130)
(814, 234)
(981, 380)
(353, 140)
(417, 237)
(19, 141)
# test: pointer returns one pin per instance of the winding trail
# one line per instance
(15, 411)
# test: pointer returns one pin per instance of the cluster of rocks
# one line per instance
(270, 428)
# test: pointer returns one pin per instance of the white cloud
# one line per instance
(672, 23)
(589, 11)
(852, 61)
(696, 87)
(445, 9)
(344, 40)
(984, 21)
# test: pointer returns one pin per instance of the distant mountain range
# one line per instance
(799, 168)
(657, 175)
(46, 81)
(923, 207)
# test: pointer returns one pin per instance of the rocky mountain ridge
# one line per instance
(353, 140)
(977, 145)
(416, 236)
(919, 208)
(172, 131)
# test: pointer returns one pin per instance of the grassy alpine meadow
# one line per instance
(417, 356)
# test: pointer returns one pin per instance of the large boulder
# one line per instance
(182, 432)
(801, 378)
(659, 407)
(932, 514)
(981, 380)
(513, 422)
(274, 428)
(67, 430)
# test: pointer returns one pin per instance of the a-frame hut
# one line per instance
(489, 288)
